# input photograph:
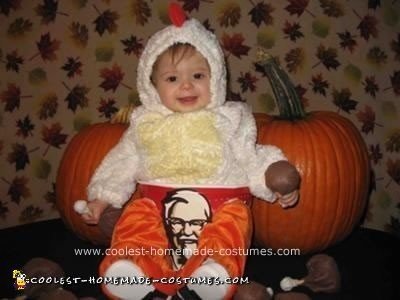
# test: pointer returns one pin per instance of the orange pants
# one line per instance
(141, 227)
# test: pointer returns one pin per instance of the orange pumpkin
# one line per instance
(80, 159)
(332, 159)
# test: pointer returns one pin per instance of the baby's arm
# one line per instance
(114, 180)
(260, 161)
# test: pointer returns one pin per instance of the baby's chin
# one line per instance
(188, 107)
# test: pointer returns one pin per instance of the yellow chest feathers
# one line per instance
(183, 148)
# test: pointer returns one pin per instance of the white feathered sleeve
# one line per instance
(254, 158)
(114, 179)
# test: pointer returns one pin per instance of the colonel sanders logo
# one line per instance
(186, 212)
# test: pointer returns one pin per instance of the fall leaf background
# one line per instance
(67, 64)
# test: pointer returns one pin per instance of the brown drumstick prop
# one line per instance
(323, 276)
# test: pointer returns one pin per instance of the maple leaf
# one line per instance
(297, 7)
(19, 156)
(395, 46)
(52, 136)
(292, 31)
(301, 91)
(25, 127)
(319, 85)
(48, 106)
(11, 97)
(141, 11)
(332, 8)
(395, 80)
(48, 11)
(106, 21)
(262, 13)
(30, 214)
(107, 108)
(342, 100)
(133, 45)
(18, 189)
(19, 27)
(368, 27)
(47, 48)
(77, 97)
(13, 61)
(373, 4)
(375, 153)
(392, 143)
(234, 44)
(377, 56)
(190, 5)
(79, 34)
(295, 59)
(347, 40)
(3, 210)
(247, 82)
(236, 97)
(393, 169)
(112, 78)
(229, 14)
(370, 86)
(328, 57)
(367, 118)
(7, 5)
(72, 66)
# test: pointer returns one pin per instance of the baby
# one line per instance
(197, 164)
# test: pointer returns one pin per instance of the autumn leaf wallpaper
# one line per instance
(69, 63)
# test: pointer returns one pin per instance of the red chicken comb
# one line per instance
(176, 14)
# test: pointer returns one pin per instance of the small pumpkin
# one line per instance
(81, 157)
(332, 158)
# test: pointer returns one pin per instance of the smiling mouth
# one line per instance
(187, 100)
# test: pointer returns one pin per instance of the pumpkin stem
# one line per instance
(286, 97)
(123, 115)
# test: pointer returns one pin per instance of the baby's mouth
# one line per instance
(187, 100)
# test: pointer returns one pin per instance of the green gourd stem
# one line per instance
(280, 95)
(287, 99)
(294, 99)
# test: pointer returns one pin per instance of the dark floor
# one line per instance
(368, 260)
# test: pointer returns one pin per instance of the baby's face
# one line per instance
(183, 86)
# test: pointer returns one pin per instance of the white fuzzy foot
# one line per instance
(209, 269)
(126, 268)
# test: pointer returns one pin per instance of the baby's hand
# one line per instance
(91, 214)
(288, 200)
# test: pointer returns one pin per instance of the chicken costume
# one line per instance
(204, 164)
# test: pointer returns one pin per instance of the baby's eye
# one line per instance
(199, 75)
(171, 78)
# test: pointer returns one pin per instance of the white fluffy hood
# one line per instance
(191, 32)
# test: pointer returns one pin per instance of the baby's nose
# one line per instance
(187, 84)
